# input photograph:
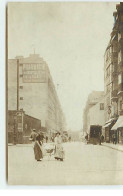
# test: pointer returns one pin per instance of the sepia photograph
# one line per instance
(64, 94)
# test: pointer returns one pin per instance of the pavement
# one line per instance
(118, 147)
(84, 164)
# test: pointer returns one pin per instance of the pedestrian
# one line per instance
(102, 138)
(37, 149)
(69, 138)
(86, 138)
(46, 139)
(33, 135)
(59, 152)
(114, 138)
(52, 139)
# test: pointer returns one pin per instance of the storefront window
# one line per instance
(120, 78)
(121, 105)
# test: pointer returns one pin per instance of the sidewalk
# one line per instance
(118, 147)
(20, 145)
(29, 145)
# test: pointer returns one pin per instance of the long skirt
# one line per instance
(37, 151)
(59, 152)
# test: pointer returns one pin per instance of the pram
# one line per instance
(48, 149)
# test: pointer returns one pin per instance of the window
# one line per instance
(21, 87)
(21, 75)
(108, 88)
(121, 105)
(119, 57)
(112, 86)
(121, 18)
(101, 106)
(119, 36)
(21, 64)
(120, 78)
(21, 98)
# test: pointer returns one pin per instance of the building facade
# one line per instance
(94, 110)
(96, 114)
(20, 126)
(113, 69)
(31, 88)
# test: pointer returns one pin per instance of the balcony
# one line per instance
(114, 96)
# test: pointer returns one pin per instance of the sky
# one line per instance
(71, 38)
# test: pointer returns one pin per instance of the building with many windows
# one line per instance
(31, 89)
(113, 72)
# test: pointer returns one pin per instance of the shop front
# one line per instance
(107, 130)
(118, 129)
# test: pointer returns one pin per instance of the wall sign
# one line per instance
(34, 73)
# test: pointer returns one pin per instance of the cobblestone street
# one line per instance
(83, 164)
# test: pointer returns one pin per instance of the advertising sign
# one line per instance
(34, 73)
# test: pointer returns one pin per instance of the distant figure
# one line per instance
(69, 138)
(46, 139)
(59, 153)
(114, 138)
(102, 138)
(37, 149)
(33, 135)
(52, 139)
(86, 138)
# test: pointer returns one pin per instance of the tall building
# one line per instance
(113, 70)
(94, 110)
(31, 88)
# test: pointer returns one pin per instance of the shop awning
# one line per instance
(118, 124)
(107, 125)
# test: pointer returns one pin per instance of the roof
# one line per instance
(95, 96)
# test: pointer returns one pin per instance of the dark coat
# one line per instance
(37, 151)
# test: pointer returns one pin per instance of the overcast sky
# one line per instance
(71, 38)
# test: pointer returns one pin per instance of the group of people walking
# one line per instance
(38, 140)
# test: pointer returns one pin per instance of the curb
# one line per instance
(112, 148)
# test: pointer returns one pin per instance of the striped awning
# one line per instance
(118, 124)
(107, 125)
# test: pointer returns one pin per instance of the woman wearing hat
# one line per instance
(59, 153)
(37, 149)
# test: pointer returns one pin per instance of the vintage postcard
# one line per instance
(64, 93)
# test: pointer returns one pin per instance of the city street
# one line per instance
(83, 164)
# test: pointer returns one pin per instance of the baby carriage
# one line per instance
(48, 149)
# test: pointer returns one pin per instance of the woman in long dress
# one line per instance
(59, 152)
(37, 149)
